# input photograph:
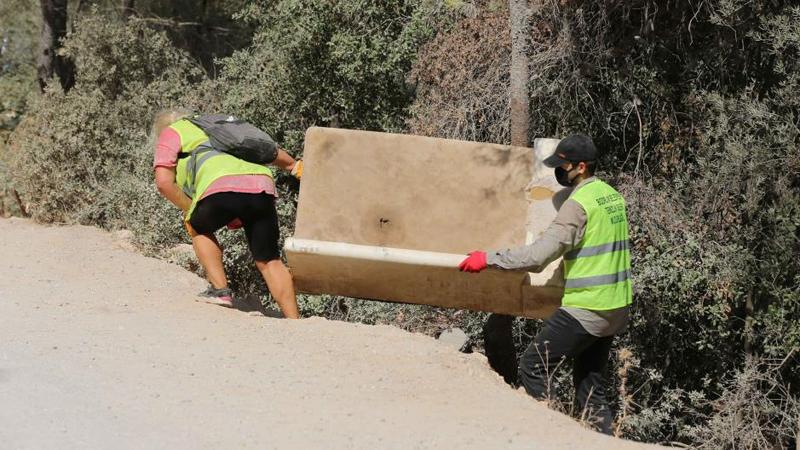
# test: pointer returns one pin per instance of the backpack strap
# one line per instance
(197, 158)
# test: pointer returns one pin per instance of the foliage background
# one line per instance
(695, 107)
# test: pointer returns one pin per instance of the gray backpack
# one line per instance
(237, 137)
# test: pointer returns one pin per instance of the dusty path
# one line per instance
(104, 348)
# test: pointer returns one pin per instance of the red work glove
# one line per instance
(475, 262)
(235, 224)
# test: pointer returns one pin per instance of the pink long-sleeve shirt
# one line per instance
(169, 146)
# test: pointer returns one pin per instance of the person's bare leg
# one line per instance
(209, 253)
(280, 284)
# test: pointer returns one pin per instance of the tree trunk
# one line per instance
(83, 5)
(519, 14)
(127, 8)
(498, 336)
(54, 28)
(748, 323)
(22, 208)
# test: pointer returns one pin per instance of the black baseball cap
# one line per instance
(573, 148)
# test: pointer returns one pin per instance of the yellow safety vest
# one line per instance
(199, 165)
(597, 271)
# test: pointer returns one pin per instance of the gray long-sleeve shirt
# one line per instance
(564, 234)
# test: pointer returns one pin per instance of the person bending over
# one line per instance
(215, 189)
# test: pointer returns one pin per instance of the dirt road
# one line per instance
(101, 347)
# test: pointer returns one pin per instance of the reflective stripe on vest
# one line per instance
(597, 280)
(196, 160)
(597, 272)
(204, 165)
(597, 249)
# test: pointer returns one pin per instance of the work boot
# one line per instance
(221, 297)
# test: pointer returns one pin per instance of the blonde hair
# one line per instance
(167, 117)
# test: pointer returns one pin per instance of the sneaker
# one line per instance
(222, 297)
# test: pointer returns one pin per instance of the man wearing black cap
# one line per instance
(590, 231)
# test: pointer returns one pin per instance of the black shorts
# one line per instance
(257, 213)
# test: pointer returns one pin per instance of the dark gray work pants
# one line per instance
(563, 337)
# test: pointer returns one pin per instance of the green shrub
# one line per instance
(84, 156)
(340, 64)
(754, 410)
(18, 31)
(462, 81)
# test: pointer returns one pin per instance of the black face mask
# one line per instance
(563, 178)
